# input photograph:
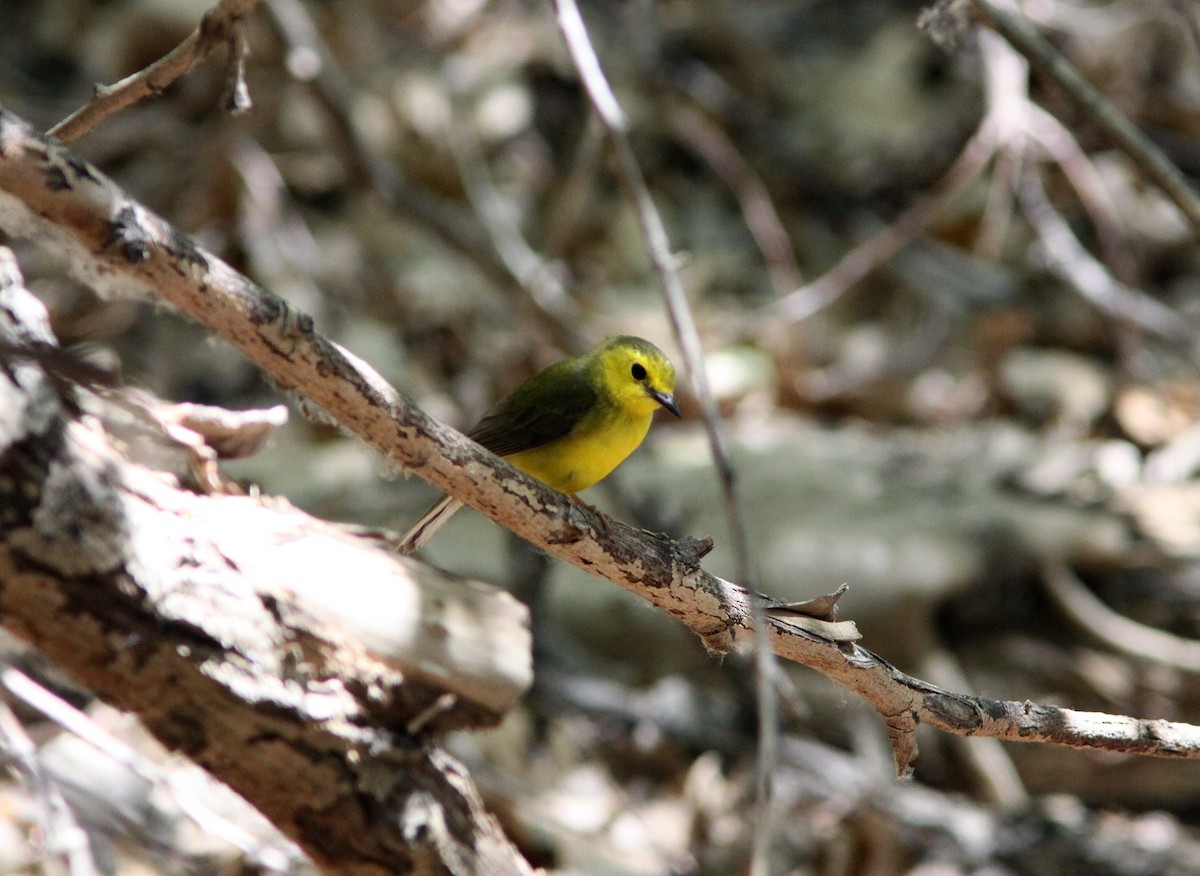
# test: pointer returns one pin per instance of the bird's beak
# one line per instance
(664, 398)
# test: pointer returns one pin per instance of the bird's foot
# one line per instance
(579, 505)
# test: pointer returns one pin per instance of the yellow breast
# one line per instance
(588, 453)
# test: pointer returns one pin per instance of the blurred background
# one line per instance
(952, 330)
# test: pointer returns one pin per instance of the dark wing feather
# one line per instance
(544, 408)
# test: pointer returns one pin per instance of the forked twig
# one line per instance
(220, 26)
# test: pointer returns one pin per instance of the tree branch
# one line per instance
(221, 26)
(64, 203)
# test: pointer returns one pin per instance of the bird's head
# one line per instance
(636, 375)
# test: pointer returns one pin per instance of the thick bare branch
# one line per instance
(304, 667)
(47, 193)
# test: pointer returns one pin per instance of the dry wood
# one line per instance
(48, 194)
(183, 608)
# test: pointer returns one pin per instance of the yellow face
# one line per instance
(637, 376)
(635, 379)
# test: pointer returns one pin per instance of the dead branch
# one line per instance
(68, 205)
(220, 26)
(304, 667)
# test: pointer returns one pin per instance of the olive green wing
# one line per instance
(544, 408)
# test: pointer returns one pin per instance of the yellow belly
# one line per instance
(587, 454)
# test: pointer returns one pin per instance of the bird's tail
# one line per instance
(429, 523)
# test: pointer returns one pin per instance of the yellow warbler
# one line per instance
(572, 424)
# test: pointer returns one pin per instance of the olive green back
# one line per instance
(544, 408)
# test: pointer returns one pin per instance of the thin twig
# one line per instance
(658, 246)
(236, 95)
(1085, 179)
(1018, 120)
(496, 215)
(659, 249)
(219, 27)
(996, 221)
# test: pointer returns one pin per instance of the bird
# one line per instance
(571, 424)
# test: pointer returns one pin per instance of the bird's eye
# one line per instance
(638, 371)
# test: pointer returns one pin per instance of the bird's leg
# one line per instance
(579, 503)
